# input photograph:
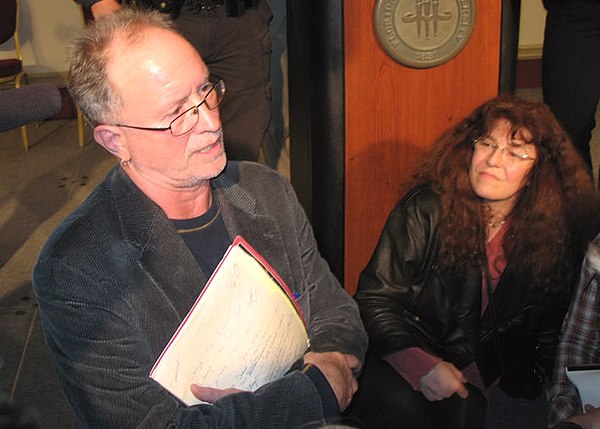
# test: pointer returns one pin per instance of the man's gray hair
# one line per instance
(89, 56)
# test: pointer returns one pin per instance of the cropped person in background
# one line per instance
(116, 279)
(471, 278)
(233, 38)
(579, 345)
(571, 68)
(13, 416)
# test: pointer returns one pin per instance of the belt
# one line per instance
(234, 7)
(203, 6)
(171, 7)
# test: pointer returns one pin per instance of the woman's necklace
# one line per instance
(495, 223)
(494, 227)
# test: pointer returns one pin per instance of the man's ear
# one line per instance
(111, 139)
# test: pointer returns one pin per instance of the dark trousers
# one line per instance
(571, 67)
(237, 48)
(385, 400)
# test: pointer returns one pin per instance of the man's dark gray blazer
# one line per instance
(115, 280)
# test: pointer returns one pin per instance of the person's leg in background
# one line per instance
(238, 49)
(571, 67)
(277, 132)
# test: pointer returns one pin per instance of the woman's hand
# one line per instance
(443, 381)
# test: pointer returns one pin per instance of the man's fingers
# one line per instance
(337, 369)
(346, 401)
(353, 363)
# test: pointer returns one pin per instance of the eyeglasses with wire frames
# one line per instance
(487, 146)
(213, 92)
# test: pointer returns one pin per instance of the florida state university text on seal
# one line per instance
(424, 33)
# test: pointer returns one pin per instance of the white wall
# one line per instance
(531, 30)
(46, 27)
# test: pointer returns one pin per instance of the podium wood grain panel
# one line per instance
(394, 113)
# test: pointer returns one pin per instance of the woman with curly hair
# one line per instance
(472, 275)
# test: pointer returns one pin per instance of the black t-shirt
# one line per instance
(206, 237)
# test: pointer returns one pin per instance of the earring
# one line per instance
(125, 162)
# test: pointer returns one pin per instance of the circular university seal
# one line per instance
(424, 33)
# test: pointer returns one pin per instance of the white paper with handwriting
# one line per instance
(244, 330)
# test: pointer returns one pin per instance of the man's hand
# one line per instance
(104, 7)
(210, 394)
(339, 370)
(589, 420)
(443, 381)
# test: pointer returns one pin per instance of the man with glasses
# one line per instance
(118, 277)
(234, 40)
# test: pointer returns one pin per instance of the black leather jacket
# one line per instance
(407, 298)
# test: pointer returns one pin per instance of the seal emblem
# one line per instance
(424, 33)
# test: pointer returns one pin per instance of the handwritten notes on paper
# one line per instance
(244, 330)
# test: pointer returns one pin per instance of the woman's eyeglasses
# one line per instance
(487, 146)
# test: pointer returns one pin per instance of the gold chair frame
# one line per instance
(17, 78)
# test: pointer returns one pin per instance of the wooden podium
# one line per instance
(361, 121)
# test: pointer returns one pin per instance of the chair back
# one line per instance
(8, 19)
(11, 69)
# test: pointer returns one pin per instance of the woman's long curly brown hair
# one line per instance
(554, 214)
